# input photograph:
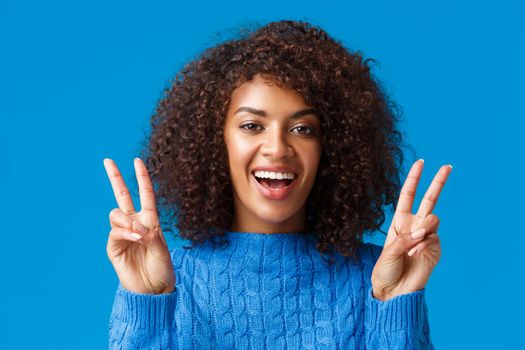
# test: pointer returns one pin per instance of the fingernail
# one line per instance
(412, 251)
(422, 160)
(136, 236)
(450, 166)
(139, 227)
(420, 232)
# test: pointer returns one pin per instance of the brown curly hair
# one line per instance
(361, 157)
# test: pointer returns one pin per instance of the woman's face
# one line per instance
(273, 141)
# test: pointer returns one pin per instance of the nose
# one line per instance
(276, 146)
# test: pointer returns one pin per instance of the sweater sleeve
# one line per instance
(397, 323)
(142, 321)
(146, 321)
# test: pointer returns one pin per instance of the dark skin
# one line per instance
(136, 246)
(406, 263)
(276, 128)
(139, 253)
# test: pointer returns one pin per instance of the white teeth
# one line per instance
(274, 175)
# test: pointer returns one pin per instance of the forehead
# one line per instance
(265, 94)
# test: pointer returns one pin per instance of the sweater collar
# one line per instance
(268, 237)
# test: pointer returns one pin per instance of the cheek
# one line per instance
(240, 154)
(311, 157)
(238, 148)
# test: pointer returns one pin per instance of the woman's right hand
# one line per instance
(136, 246)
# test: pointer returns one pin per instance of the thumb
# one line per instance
(402, 243)
(151, 236)
(138, 227)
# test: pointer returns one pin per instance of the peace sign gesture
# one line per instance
(412, 247)
(136, 246)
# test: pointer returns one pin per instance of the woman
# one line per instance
(273, 152)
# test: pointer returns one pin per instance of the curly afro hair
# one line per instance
(361, 157)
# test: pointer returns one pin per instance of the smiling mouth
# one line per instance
(274, 184)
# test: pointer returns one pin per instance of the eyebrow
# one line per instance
(262, 113)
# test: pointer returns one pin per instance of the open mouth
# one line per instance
(275, 184)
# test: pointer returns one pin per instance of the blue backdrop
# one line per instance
(79, 80)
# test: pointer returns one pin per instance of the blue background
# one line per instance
(79, 81)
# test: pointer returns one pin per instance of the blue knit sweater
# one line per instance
(269, 291)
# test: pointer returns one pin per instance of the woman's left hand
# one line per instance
(405, 264)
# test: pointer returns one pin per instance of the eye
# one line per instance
(304, 130)
(250, 127)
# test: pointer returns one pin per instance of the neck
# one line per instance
(297, 223)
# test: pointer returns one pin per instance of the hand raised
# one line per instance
(406, 262)
(136, 246)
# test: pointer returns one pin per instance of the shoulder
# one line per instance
(184, 254)
(369, 253)
(179, 255)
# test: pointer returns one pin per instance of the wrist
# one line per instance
(387, 295)
(381, 295)
(151, 291)
(167, 290)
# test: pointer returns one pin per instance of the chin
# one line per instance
(273, 215)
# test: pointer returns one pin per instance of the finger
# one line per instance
(119, 241)
(430, 223)
(408, 191)
(431, 196)
(122, 195)
(431, 239)
(147, 195)
(403, 242)
(118, 219)
(119, 234)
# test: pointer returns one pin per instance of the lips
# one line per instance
(274, 193)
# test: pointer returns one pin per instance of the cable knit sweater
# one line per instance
(269, 291)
